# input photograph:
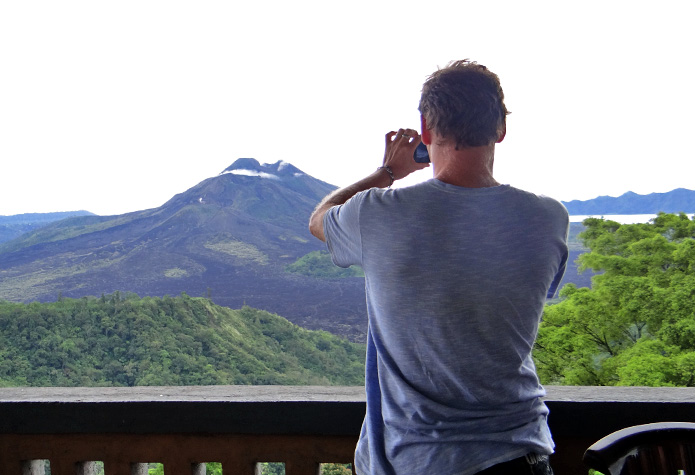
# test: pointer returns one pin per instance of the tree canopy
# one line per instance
(119, 340)
(635, 326)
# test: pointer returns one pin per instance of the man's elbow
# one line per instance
(316, 226)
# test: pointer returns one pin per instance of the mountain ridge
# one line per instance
(13, 226)
(674, 201)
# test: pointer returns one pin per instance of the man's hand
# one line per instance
(400, 147)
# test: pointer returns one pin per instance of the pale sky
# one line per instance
(114, 107)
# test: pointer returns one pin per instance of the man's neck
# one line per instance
(467, 167)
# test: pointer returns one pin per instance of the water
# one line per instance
(620, 218)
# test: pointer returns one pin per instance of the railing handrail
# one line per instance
(239, 393)
(329, 410)
(302, 425)
(272, 393)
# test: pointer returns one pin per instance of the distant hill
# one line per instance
(231, 237)
(122, 340)
(675, 201)
(14, 226)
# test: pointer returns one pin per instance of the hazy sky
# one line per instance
(117, 106)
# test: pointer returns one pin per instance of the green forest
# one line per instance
(124, 340)
(635, 326)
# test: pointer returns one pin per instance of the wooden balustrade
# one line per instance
(126, 454)
(240, 426)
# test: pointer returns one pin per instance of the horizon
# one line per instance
(623, 218)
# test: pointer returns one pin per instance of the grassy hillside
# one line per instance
(129, 341)
(319, 264)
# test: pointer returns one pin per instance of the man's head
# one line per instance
(464, 103)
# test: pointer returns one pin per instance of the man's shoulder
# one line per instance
(370, 198)
(386, 195)
(365, 196)
(541, 200)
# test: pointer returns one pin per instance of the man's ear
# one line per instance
(426, 136)
(502, 134)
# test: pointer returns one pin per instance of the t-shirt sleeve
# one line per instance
(563, 263)
(341, 228)
(558, 278)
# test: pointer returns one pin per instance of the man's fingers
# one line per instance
(409, 134)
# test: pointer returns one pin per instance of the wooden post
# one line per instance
(299, 466)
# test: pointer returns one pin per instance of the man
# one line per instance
(457, 270)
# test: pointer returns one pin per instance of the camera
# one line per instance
(421, 155)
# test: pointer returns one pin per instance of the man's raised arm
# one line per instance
(398, 163)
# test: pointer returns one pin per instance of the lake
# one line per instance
(620, 218)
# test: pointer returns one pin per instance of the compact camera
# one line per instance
(421, 155)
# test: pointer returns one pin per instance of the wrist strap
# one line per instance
(390, 172)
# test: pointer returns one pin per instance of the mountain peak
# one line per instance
(243, 164)
(251, 167)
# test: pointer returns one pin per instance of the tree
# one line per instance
(155, 469)
(636, 324)
(213, 468)
(272, 468)
(336, 469)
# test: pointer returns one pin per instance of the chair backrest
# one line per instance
(663, 448)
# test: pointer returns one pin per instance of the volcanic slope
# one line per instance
(230, 238)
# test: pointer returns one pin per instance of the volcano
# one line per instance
(229, 238)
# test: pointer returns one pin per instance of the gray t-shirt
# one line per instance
(456, 280)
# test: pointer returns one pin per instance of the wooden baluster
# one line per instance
(117, 467)
(238, 466)
(10, 466)
(61, 466)
(181, 467)
(301, 466)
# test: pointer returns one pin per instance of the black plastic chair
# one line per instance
(663, 448)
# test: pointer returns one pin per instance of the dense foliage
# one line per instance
(120, 340)
(635, 326)
(319, 264)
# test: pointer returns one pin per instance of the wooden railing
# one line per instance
(240, 426)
